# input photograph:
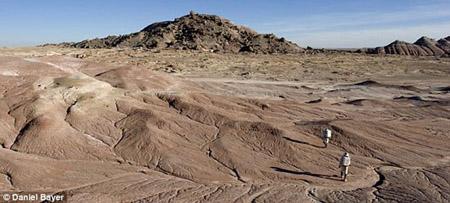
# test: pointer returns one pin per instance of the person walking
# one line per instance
(326, 136)
(344, 164)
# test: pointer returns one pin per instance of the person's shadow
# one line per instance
(302, 142)
(331, 177)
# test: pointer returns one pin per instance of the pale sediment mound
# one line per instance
(422, 47)
(444, 44)
(134, 78)
(44, 118)
(430, 46)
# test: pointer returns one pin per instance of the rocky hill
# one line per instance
(422, 47)
(196, 32)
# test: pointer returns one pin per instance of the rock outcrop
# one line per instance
(444, 44)
(196, 32)
(424, 46)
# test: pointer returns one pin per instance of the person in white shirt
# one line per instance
(344, 164)
(326, 136)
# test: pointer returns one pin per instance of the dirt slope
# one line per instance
(109, 133)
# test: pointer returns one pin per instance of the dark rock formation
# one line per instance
(196, 32)
(444, 44)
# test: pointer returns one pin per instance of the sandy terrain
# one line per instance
(114, 125)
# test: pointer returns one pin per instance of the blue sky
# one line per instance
(316, 23)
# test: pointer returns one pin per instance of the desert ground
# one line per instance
(122, 125)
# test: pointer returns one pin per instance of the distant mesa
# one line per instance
(195, 32)
(424, 46)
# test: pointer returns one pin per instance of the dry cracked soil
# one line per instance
(133, 126)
